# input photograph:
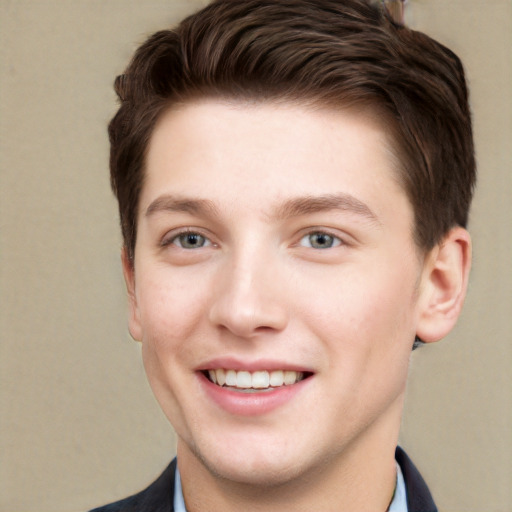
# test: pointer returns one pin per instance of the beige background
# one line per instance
(78, 424)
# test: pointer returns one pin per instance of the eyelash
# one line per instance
(336, 241)
(177, 239)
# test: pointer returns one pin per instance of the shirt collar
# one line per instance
(179, 502)
(399, 502)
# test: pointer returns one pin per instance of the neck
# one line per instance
(360, 478)
(325, 490)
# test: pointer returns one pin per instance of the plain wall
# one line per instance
(78, 424)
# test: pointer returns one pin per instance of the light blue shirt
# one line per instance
(179, 502)
(399, 503)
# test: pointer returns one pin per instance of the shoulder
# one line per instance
(419, 498)
(158, 497)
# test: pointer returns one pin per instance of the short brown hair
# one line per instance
(331, 52)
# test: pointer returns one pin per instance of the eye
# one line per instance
(189, 240)
(320, 240)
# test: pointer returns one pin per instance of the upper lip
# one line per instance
(233, 363)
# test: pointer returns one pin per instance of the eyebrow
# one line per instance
(171, 203)
(314, 204)
(295, 207)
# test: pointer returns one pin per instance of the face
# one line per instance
(276, 286)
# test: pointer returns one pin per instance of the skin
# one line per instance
(302, 257)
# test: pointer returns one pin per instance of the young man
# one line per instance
(294, 180)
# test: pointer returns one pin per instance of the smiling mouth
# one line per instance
(257, 381)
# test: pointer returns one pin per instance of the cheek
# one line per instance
(171, 315)
(371, 310)
(170, 308)
(171, 312)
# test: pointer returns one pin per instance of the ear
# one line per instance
(134, 325)
(444, 285)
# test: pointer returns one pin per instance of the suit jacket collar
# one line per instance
(419, 498)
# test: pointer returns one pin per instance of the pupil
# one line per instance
(191, 240)
(321, 240)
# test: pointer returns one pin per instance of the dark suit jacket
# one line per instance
(159, 496)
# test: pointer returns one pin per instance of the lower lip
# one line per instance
(250, 404)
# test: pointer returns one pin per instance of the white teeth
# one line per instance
(289, 378)
(221, 376)
(256, 380)
(276, 378)
(231, 378)
(243, 380)
(260, 380)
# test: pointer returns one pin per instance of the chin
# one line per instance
(256, 467)
(259, 474)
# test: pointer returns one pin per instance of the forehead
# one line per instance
(226, 151)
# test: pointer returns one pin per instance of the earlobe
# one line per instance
(444, 285)
(129, 279)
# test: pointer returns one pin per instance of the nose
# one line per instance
(250, 298)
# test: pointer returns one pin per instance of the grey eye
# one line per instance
(190, 241)
(320, 240)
